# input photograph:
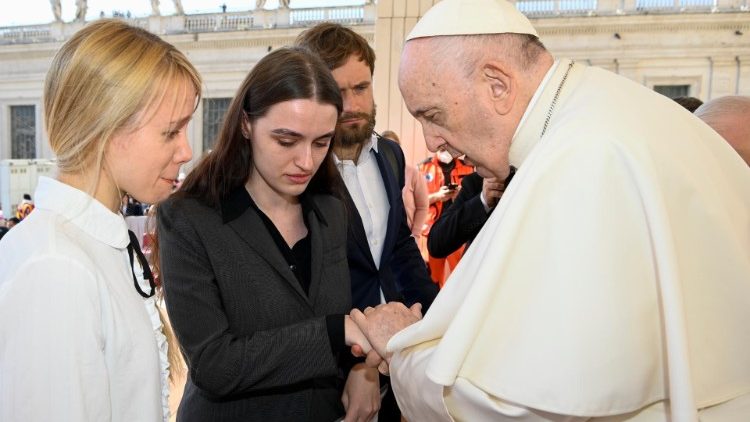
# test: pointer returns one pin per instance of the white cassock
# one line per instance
(612, 282)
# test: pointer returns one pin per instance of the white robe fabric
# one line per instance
(612, 279)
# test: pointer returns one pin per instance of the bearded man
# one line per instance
(384, 262)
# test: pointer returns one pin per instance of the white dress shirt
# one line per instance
(76, 342)
(365, 185)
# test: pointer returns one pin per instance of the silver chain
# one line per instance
(554, 100)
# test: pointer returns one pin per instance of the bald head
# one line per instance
(730, 117)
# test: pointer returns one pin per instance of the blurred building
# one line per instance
(698, 48)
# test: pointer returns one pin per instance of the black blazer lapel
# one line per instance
(356, 228)
(252, 230)
(394, 197)
(315, 225)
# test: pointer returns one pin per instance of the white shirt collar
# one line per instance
(83, 211)
(371, 144)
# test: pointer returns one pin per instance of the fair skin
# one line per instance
(474, 114)
(289, 144)
(492, 190)
(379, 324)
(736, 131)
(354, 79)
(443, 194)
(144, 161)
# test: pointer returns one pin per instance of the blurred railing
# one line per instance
(202, 23)
(361, 14)
(343, 15)
(552, 8)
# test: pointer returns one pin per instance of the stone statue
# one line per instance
(284, 4)
(81, 10)
(259, 4)
(178, 7)
(155, 8)
(56, 10)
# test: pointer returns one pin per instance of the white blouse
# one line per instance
(75, 341)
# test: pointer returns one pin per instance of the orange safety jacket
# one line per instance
(433, 174)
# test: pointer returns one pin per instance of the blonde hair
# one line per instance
(98, 84)
(102, 81)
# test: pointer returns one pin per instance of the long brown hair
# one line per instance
(283, 75)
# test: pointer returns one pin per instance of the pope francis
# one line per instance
(612, 281)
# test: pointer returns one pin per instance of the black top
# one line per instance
(298, 256)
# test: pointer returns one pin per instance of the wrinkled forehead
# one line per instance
(423, 79)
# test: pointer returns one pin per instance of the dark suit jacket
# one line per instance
(402, 273)
(257, 347)
(460, 222)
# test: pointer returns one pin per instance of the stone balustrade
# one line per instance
(202, 23)
(553, 8)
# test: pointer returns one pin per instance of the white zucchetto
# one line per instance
(471, 17)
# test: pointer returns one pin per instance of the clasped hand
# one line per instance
(375, 328)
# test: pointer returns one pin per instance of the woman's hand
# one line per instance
(361, 396)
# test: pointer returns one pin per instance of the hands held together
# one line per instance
(368, 332)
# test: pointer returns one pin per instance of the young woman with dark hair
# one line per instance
(253, 255)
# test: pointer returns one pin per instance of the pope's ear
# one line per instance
(501, 84)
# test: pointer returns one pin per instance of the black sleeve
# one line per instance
(461, 221)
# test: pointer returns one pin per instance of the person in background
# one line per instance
(730, 117)
(443, 174)
(688, 103)
(25, 207)
(253, 255)
(460, 223)
(81, 338)
(611, 281)
(414, 194)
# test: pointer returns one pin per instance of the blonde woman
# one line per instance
(76, 341)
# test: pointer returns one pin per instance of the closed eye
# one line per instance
(322, 143)
(172, 134)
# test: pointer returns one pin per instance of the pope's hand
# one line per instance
(381, 323)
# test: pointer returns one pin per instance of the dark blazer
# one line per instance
(461, 221)
(402, 274)
(257, 347)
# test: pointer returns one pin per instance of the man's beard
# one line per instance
(350, 136)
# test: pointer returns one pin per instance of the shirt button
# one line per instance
(293, 267)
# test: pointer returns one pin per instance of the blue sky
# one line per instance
(29, 12)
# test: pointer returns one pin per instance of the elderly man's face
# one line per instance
(451, 110)
(738, 135)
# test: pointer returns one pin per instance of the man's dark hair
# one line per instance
(690, 103)
(335, 43)
(27, 197)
